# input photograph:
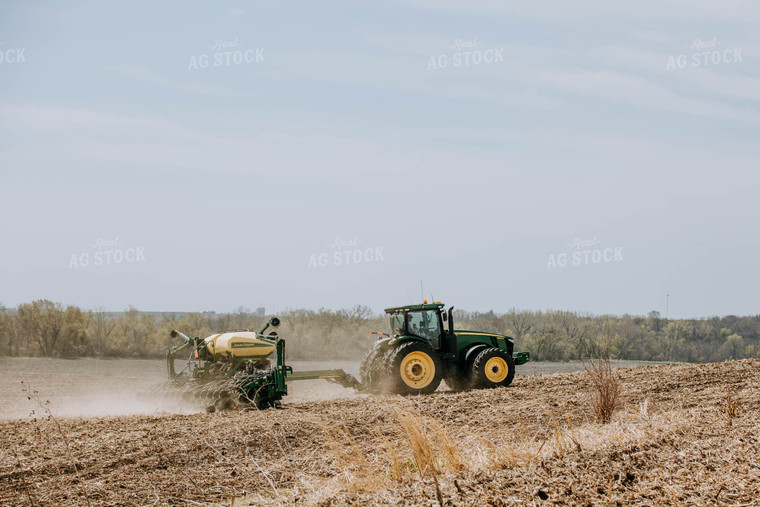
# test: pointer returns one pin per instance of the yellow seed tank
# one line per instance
(239, 344)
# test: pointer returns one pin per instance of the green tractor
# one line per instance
(422, 350)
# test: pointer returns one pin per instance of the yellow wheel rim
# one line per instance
(417, 370)
(496, 369)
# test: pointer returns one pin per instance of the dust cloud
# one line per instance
(38, 387)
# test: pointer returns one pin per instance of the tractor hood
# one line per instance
(461, 332)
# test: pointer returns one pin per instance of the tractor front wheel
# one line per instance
(492, 368)
(414, 368)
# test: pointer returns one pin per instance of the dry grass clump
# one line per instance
(41, 427)
(428, 452)
(423, 452)
(605, 389)
(433, 449)
(358, 473)
(427, 456)
(731, 409)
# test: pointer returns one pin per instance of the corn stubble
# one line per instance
(686, 435)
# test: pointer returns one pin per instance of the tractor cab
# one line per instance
(423, 321)
(426, 322)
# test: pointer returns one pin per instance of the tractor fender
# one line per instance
(403, 339)
(382, 343)
(509, 344)
(473, 351)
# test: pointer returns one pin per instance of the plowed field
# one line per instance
(685, 435)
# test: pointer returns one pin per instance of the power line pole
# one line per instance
(667, 305)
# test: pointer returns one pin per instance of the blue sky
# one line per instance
(614, 128)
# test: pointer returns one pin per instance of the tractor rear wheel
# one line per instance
(414, 368)
(371, 369)
(492, 368)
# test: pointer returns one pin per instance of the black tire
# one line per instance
(492, 368)
(463, 382)
(370, 369)
(384, 374)
(413, 368)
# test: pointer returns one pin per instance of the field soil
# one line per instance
(683, 435)
(109, 387)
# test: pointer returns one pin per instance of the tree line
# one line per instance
(48, 329)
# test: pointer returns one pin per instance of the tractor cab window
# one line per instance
(425, 325)
(397, 324)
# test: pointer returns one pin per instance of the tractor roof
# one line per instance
(415, 308)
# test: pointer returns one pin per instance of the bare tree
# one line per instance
(9, 336)
(520, 323)
(101, 327)
(42, 322)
